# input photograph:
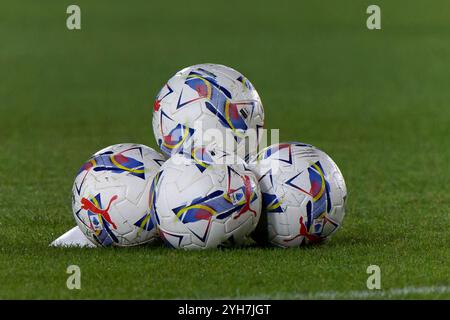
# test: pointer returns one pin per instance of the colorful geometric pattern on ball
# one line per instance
(152, 199)
(200, 204)
(202, 158)
(317, 208)
(100, 221)
(119, 176)
(218, 204)
(117, 163)
(176, 137)
(216, 96)
(301, 186)
(218, 100)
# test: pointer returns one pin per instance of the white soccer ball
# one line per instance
(199, 204)
(208, 104)
(304, 194)
(110, 196)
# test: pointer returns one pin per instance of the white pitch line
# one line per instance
(363, 294)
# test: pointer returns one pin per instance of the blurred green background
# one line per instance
(377, 101)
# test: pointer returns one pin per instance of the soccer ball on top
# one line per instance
(304, 195)
(208, 98)
(199, 202)
(110, 196)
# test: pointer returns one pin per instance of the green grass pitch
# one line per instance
(377, 101)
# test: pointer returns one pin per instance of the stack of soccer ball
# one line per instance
(213, 189)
